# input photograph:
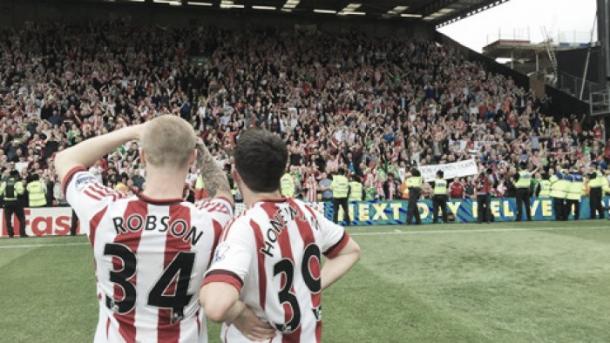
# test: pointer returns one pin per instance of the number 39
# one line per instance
(286, 294)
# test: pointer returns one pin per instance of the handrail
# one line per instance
(576, 85)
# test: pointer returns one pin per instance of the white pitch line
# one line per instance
(384, 233)
(27, 246)
(436, 232)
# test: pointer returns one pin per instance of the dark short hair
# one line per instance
(260, 159)
(440, 173)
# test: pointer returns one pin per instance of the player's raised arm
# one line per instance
(88, 152)
(214, 177)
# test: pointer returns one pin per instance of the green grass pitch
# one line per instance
(508, 282)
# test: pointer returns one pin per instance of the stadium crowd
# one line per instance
(373, 107)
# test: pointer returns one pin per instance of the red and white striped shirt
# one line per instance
(150, 259)
(271, 254)
(312, 188)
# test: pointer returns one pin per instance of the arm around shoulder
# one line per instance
(217, 299)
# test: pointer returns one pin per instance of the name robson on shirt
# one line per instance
(177, 228)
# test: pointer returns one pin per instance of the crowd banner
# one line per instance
(451, 170)
(462, 210)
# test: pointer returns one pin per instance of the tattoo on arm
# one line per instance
(214, 177)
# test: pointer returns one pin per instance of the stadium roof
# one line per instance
(437, 12)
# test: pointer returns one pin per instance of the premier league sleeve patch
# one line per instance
(221, 252)
(83, 180)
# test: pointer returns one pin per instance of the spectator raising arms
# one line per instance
(338, 101)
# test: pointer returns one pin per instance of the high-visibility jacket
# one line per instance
(564, 185)
(575, 188)
(11, 189)
(414, 182)
(355, 191)
(598, 181)
(234, 190)
(545, 188)
(287, 187)
(199, 184)
(340, 187)
(37, 194)
(525, 179)
(440, 187)
(605, 185)
(555, 191)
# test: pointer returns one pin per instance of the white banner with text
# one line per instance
(451, 170)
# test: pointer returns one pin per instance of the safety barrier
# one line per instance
(50, 221)
(463, 210)
(45, 221)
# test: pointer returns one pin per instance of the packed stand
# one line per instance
(373, 107)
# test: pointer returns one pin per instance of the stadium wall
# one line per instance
(14, 13)
(564, 104)
(55, 221)
(573, 62)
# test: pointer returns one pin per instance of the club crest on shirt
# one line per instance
(221, 252)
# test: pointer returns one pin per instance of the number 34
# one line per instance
(181, 265)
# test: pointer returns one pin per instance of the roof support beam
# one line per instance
(468, 11)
